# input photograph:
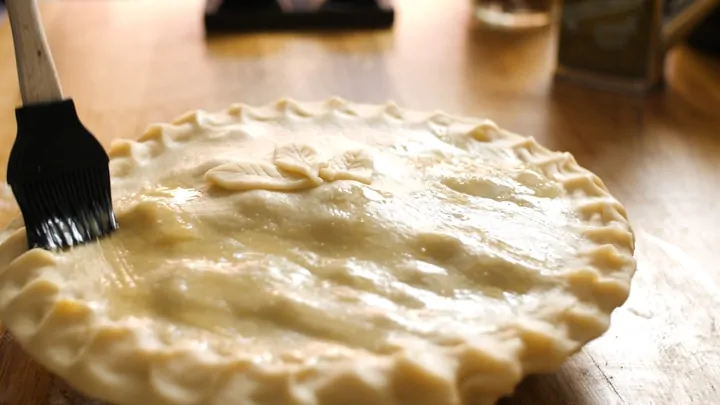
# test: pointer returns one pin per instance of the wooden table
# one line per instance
(130, 63)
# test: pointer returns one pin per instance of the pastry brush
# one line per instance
(58, 171)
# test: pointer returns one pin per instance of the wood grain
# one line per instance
(130, 63)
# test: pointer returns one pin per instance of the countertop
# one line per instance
(130, 63)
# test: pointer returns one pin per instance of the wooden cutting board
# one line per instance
(22, 381)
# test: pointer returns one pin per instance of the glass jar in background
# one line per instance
(516, 14)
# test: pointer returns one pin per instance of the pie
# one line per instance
(325, 253)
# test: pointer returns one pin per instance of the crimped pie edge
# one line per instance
(111, 361)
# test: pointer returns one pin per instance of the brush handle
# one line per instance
(35, 67)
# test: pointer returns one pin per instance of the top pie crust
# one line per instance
(325, 254)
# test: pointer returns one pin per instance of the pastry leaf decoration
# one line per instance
(249, 175)
(352, 165)
(299, 159)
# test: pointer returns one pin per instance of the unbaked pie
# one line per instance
(325, 254)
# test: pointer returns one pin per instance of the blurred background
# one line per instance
(630, 87)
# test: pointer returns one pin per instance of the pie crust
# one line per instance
(325, 253)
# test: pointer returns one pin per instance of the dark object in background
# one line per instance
(285, 15)
(621, 44)
(706, 36)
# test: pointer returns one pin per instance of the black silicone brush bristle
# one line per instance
(58, 172)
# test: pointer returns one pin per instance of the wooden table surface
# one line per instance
(130, 63)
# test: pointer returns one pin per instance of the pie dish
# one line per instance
(325, 253)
